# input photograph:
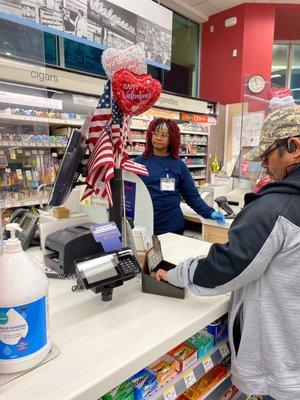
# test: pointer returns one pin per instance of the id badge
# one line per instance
(167, 184)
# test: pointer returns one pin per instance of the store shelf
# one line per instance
(196, 165)
(193, 154)
(29, 120)
(31, 146)
(188, 377)
(138, 140)
(21, 203)
(195, 133)
(136, 128)
(135, 153)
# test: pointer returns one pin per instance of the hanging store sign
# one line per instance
(193, 117)
(167, 106)
(100, 23)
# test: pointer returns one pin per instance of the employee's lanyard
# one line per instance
(169, 173)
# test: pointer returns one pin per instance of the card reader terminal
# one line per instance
(103, 272)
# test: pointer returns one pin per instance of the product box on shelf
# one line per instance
(121, 392)
(229, 394)
(205, 383)
(144, 382)
(218, 329)
(202, 341)
(185, 355)
(164, 369)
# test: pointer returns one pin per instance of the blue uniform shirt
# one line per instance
(168, 216)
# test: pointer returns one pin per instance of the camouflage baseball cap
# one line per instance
(281, 124)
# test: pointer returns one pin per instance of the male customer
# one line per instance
(261, 266)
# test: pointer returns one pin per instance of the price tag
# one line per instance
(170, 393)
(27, 153)
(207, 363)
(12, 154)
(28, 175)
(224, 350)
(19, 174)
(8, 170)
(19, 151)
(189, 378)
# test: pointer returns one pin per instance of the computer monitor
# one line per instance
(71, 166)
(69, 170)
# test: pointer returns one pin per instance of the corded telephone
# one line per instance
(28, 222)
(103, 272)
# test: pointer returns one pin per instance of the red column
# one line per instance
(222, 74)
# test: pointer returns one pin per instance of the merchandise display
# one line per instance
(185, 355)
(144, 382)
(124, 391)
(178, 371)
(202, 341)
(206, 383)
(164, 369)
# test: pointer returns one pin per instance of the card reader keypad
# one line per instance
(128, 265)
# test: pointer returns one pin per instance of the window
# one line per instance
(183, 76)
(22, 42)
(50, 43)
(82, 57)
(280, 65)
(26, 43)
(286, 67)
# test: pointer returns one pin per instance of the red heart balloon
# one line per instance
(135, 93)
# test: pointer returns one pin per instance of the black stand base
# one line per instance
(106, 291)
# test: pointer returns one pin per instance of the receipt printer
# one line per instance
(69, 244)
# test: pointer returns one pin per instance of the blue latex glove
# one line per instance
(217, 216)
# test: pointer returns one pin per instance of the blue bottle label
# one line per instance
(23, 329)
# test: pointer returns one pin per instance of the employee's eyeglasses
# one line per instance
(161, 134)
(265, 156)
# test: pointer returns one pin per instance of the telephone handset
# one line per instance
(28, 222)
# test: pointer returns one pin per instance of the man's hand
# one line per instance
(161, 275)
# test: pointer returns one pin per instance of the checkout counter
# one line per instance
(212, 231)
(102, 344)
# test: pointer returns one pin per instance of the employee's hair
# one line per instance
(174, 136)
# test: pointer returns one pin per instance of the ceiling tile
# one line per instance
(193, 2)
(207, 8)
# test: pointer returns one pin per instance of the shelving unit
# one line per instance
(184, 380)
(196, 166)
(4, 118)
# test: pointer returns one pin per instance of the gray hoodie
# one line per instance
(260, 265)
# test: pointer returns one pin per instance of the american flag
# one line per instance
(109, 134)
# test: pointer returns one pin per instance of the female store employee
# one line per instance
(169, 179)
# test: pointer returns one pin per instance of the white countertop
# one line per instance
(102, 344)
(189, 212)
